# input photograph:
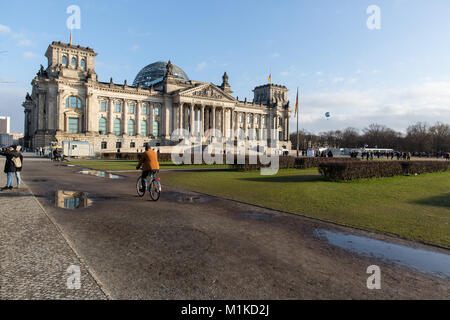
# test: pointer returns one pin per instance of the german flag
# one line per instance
(270, 78)
(296, 105)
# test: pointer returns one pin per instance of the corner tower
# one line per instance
(70, 61)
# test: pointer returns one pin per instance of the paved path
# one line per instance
(34, 255)
(191, 246)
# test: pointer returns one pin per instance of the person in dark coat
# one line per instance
(19, 170)
(10, 167)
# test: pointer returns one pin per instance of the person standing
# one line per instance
(10, 166)
(19, 169)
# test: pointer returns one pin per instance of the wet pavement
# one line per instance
(427, 261)
(101, 174)
(193, 246)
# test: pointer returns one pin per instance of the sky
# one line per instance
(395, 75)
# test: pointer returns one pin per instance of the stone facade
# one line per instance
(67, 102)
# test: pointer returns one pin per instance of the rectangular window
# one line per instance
(155, 129)
(73, 125)
(118, 107)
(156, 111)
(131, 108)
(132, 145)
(118, 144)
(144, 110)
(104, 145)
(103, 106)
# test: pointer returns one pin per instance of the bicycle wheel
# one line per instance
(155, 190)
(139, 188)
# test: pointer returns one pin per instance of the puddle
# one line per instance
(102, 174)
(425, 261)
(184, 198)
(256, 215)
(39, 180)
(71, 199)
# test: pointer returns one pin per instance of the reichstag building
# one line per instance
(68, 102)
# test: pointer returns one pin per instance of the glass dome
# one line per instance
(155, 72)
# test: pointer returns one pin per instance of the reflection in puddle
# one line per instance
(423, 260)
(102, 174)
(71, 199)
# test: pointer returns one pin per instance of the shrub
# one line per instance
(345, 171)
(289, 162)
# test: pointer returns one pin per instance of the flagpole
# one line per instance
(297, 125)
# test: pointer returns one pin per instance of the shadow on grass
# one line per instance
(436, 201)
(293, 178)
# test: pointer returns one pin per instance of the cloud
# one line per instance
(275, 55)
(202, 65)
(4, 29)
(284, 73)
(135, 48)
(24, 43)
(319, 73)
(396, 108)
(29, 55)
(352, 80)
(338, 79)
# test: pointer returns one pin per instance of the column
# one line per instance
(213, 119)
(202, 126)
(138, 121)
(89, 112)
(124, 116)
(223, 122)
(191, 118)
(286, 125)
(150, 119)
(110, 116)
(59, 112)
(181, 115)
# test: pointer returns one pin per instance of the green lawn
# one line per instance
(412, 207)
(113, 165)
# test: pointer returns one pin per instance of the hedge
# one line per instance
(289, 162)
(345, 171)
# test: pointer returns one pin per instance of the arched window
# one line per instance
(64, 61)
(130, 127)
(156, 128)
(117, 127)
(73, 102)
(143, 128)
(83, 64)
(74, 62)
(102, 126)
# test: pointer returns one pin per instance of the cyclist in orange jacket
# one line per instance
(149, 163)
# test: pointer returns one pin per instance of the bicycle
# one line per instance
(152, 184)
